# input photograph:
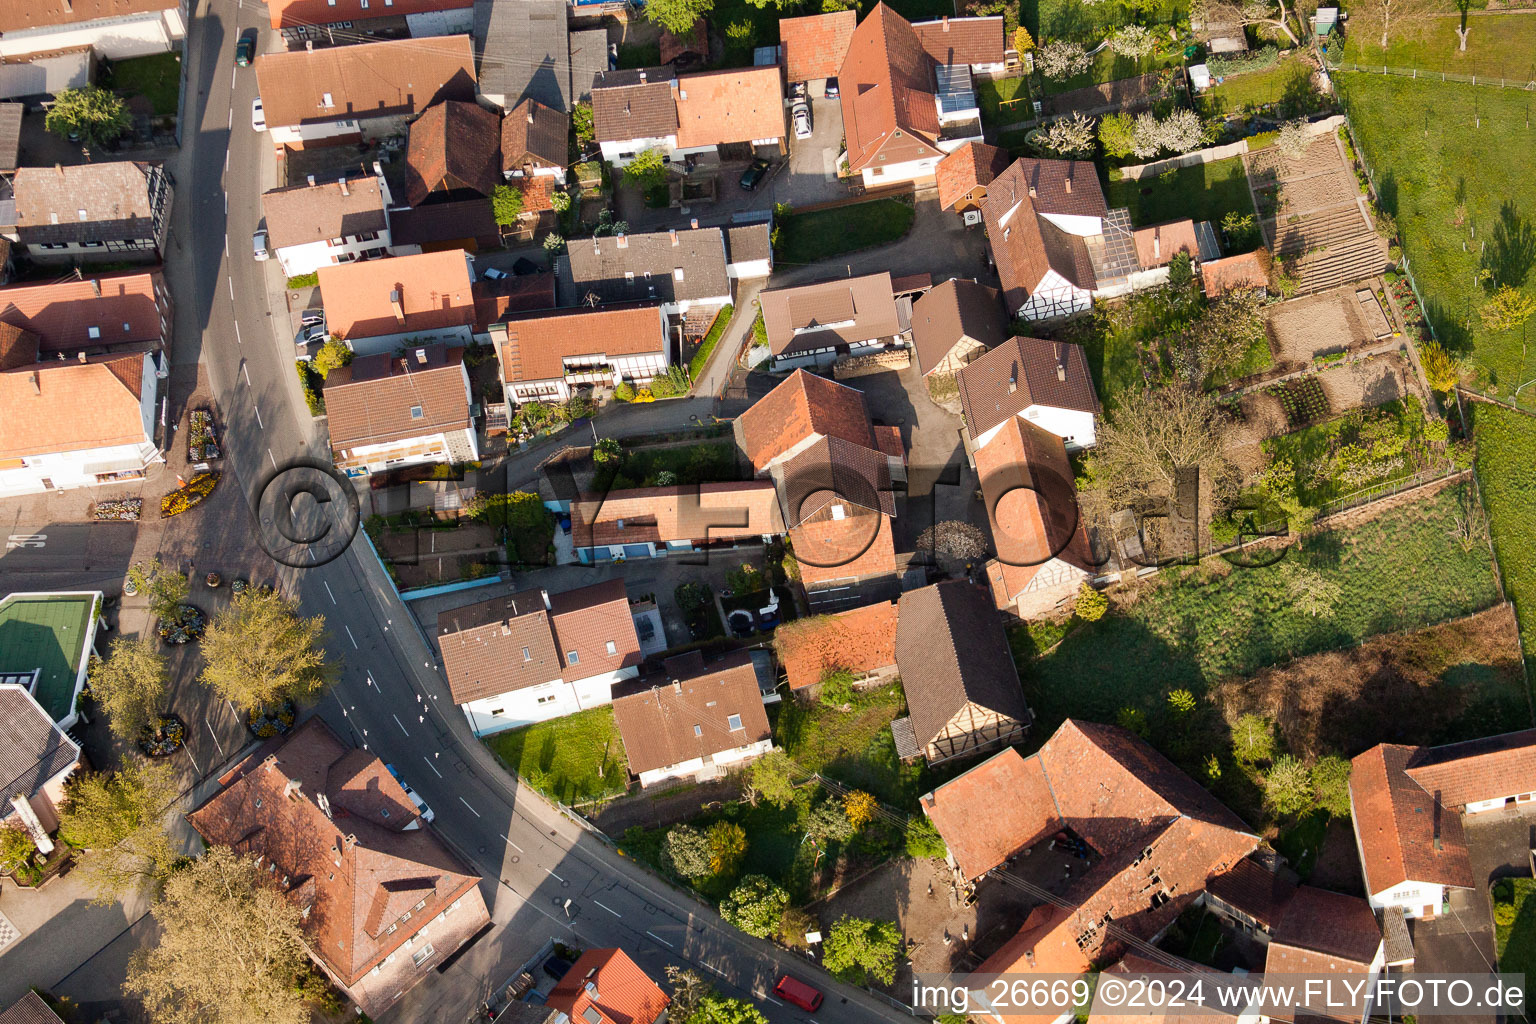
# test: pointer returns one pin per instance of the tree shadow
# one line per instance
(1299, 95)
(1386, 193)
(1451, 330)
(1512, 251)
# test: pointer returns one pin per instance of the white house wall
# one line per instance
(554, 699)
(912, 170)
(311, 256)
(1071, 425)
(691, 768)
(461, 335)
(619, 154)
(134, 35)
(1076, 225)
(301, 135)
(750, 268)
(1480, 806)
(458, 21)
(1413, 897)
(1055, 296)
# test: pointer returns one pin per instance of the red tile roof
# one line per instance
(859, 545)
(1044, 945)
(453, 146)
(1481, 769)
(124, 307)
(538, 343)
(102, 395)
(700, 513)
(1251, 888)
(25, 14)
(608, 983)
(840, 311)
(1242, 271)
(966, 172)
(801, 409)
(814, 46)
(382, 398)
(496, 300)
(433, 288)
(887, 86)
(734, 105)
(366, 80)
(993, 811)
(954, 310)
(953, 41)
(860, 640)
(303, 13)
(1323, 932)
(1026, 245)
(684, 712)
(1156, 244)
(1404, 834)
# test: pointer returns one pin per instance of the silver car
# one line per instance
(800, 114)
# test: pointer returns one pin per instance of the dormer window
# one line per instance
(416, 412)
(325, 98)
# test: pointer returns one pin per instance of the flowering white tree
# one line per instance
(1294, 139)
(1069, 136)
(1179, 132)
(1062, 58)
(1132, 41)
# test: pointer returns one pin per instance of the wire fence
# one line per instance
(1496, 74)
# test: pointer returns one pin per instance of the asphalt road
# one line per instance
(390, 697)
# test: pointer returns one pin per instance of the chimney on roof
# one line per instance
(309, 46)
(597, 245)
(291, 790)
(60, 169)
(324, 802)
(530, 113)
(421, 357)
(623, 241)
(1157, 243)
(351, 840)
(673, 233)
(677, 686)
(946, 23)
(395, 301)
(1031, 191)
(311, 181)
(693, 222)
(342, 182)
(269, 762)
(37, 382)
(96, 287)
(642, 76)
(548, 605)
(1069, 184)
(81, 356)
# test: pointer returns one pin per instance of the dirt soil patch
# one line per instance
(670, 807)
(1446, 683)
(1304, 329)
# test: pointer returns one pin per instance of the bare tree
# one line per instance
(1397, 13)
(1244, 12)
(1462, 7)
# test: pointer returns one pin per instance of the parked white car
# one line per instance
(800, 114)
(258, 116)
(259, 245)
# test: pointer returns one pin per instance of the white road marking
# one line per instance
(328, 592)
(272, 457)
(231, 282)
(397, 722)
(226, 245)
(711, 967)
(772, 1000)
(510, 843)
(427, 759)
(226, 159)
(354, 642)
(661, 940)
(226, 204)
(230, 124)
(214, 735)
(231, 79)
(259, 424)
(548, 872)
(610, 910)
(247, 374)
(471, 809)
(237, 323)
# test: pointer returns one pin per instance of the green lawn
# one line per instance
(1108, 67)
(46, 632)
(157, 77)
(562, 758)
(1088, 23)
(697, 463)
(1004, 101)
(1288, 83)
(1501, 45)
(1515, 942)
(810, 237)
(701, 354)
(639, 55)
(1190, 628)
(1506, 464)
(1201, 192)
(1446, 154)
(854, 747)
(1115, 335)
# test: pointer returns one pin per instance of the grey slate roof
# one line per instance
(521, 52)
(10, 135)
(748, 242)
(31, 1009)
(90, 202)
(951, 650)
(32, 749)
(598, 265)
(589, 58)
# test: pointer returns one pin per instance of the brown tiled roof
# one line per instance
(886, 84)
(912, 284)
(860, 544)
(700, 512)
(108, 201)
(598, 266)
(10, 135)
(684, 712)
(586, 620)
(1067, 254)
(433, 288)
(634, 105)
(386, 870)
(746, 242)
(802, 407)
(606, 982)
(533, 135)
(814, 46)
(951, 650)
(846, 310)
(459, 221)
(1322, 931)
(102, 395)
(860, 640)
(301, 214)
(297, 13)
(538, 193)
(1132, 965)
(1253, 889)
(1030, 494)
(1025, 244)
(1482, 769)
(453, 145)
(953, 310)
(385, 79)
(969, 168)
(24, 14)
(32, 748)
(496, 300)
(888, 441)
(62, 313)
(537, 343)
(1404, 834)
(734, 105)
(1157, 244)
(1242, 271)
(832, 473)
(1022, 372)
(692, 43)
(382, 398)
(29, 1009)
(1041, 945)
(993, 811)
(952, 41)
(1066, 187)
(18, 347)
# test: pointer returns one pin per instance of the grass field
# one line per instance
(157, 78)
(810, 237)
(561, 758)
(1312, 450)
(854, 747)
(1201, 192)
(1004, 101)
(1288, 83)
(1501, 45)
(1506, 464)
(1515, 942)
(1456, 165)
(1194, 627)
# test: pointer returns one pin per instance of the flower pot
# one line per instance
(213, 579)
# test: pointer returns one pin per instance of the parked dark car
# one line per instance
(245, 49)
(753, 175)
(832, 92)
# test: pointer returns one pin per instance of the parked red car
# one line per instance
(799, 993)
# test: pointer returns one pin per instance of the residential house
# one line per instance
(383, 900)
(693, 719)
(1251, 897)
(387, 411)
(46, 643)
(963, 692)
(1135, 970)
(342, 94)
(736, 113)
(1324, 933)
(114, 29)
(454, 152)
(861, 641)
(964, 175)
(125, 311)
(633, 111)
(604, 986)
(520, 293)
(1039, 214)
(954, 323)
(534, 142)
(816, 324)
(651, 522)
(110, 434)
(468, 224)
(35, 758)
(1407, 805)
(378, 305)
(534, 655)
(683, 269)
(119, 210)
(420, 18)
(30, 1009)
(523, 51)
(835, 474)
(545, 356)
(749, 251)
(317, 224)
(1042, 550)
(976, 43)
(908, 97)
(814, 47)
(1045, 382)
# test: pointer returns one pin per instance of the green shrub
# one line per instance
(1237, 64)
(1091, 605)
(923, 840)
(837, 688)
(308, 383)
(309, 280)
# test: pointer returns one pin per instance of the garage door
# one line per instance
(637, 551)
